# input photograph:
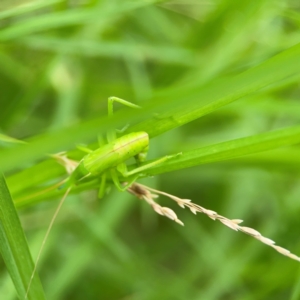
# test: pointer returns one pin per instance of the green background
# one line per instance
(61, 60)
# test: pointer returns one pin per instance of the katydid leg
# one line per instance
(84, 149)
(122, 187)
(111, 135)
(133, 175)
(149, 165)
(102, 187)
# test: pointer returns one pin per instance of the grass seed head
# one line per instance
(148, 194)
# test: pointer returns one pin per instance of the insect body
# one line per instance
(130, 145)
(110, 158)
(111, 155)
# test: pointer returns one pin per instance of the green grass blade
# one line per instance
(214, 96)
(197, 101)
(14, 248)
(35, 176)
(234, 149)
(162, 53)
(27, 8)
(61, 140)
(231, 149)
(62, 19)
(7, 139)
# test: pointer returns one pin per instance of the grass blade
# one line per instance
(187, 108)
(66, 18)
(14, 248)
(27, 8)
(7, 139)
(162, 53)
(197, 101)
(231, 149)
(213, 153)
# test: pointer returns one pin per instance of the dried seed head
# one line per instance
(179, 222)
(144, 192)
(69, 164)
(249, 231)
(237, 221)
(293, 256)
(138, 190)
(209, 212)
(265, 240)
(281, 250)
(158, 209)
(169, 213)
(193, 210)
(181, 205)
(229, 224)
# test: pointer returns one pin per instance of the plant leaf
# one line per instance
(14, 248)
(188, 107)
(7, 139)
(231, 149)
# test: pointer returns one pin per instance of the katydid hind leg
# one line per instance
(134, 174)
(150, 165)
(122, 169)
(122, 187)
(84, 148)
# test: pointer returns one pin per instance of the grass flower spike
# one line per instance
(148, 194)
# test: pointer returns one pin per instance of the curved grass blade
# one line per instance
(8, 139)
(70, 17)
(162, 53)
(193, 101)
(14, 248)
(26, 8)
(187, 108)
(234, 149)
(231, 149)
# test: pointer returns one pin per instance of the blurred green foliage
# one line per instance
(60, 61)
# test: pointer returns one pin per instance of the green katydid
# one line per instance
(109, 159)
